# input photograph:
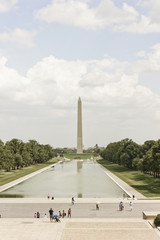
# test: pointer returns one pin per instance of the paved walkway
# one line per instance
(121, 230)
(76, 229)
(19, 208)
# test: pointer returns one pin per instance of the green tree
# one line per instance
(33, 148)
(147, 145)
(147, 162)
(110, 153)
(18, 161)
(15, 146)
(137, 163)
(8, 160)
(122, 152)
(26, 157)
(156, 158)
(1, 153)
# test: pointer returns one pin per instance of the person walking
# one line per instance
(38, 215)
(63, 214)
(45, 217)
(60, 214)
(51, 214)
(97, 205)
(69, 212)
(121, 206)
(72, 200)
(131, 206)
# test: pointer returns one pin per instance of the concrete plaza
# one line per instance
(86, 223)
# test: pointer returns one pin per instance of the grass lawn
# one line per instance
(147, 185)
(6, 177)
(78, 156)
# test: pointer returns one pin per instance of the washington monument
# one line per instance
(79, 128)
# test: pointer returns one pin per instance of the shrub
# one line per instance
(157, 221)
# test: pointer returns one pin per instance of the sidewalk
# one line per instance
(76, 229)
(15, 208)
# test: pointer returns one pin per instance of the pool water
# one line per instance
(78, 178)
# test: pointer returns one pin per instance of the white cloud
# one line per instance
(79, 13)
(125, 18)
(56, 82)
(68, 12)
(7, 5)
(144, 3)
(155, 10)
(141, 26)
(20, 36)
(11, 83)
(149, 23)
(151, 61)
(141, 54)
(55, 78)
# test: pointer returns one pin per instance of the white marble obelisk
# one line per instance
(79, 128)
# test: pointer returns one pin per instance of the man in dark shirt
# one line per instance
(51, 214)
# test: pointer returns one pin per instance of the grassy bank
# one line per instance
(78, 156)
(6, 177)
(143, 183)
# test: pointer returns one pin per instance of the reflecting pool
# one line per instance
(78, 178)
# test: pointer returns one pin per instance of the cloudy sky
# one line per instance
(105, 51)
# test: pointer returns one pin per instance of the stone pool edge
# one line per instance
(123, 185)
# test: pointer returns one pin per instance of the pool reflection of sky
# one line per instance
(75, 178)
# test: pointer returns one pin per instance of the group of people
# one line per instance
(53, 216)
(63, 214)
(57, 217)
(48, 196)
(121, 206)
(37, 215)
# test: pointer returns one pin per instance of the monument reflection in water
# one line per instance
(76, 178)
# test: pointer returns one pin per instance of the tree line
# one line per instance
(16, 154)
(145, 158)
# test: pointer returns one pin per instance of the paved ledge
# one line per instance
(77, 200)
(150, 215)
